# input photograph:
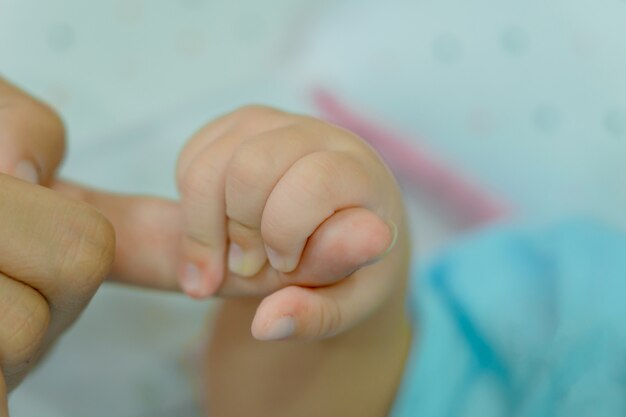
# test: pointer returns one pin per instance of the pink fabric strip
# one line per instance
(468, 203)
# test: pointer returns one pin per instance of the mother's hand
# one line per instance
(32, 138)
(54, 251)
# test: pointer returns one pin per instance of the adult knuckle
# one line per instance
(52, 121)
(25, 321)
(28, 117)
(48, 120)
(88, 248)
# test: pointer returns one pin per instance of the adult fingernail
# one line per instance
(279, 329)
(26, 171)
(246, 263)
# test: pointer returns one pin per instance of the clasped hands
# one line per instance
(298, 213)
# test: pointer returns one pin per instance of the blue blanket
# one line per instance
(521, 322)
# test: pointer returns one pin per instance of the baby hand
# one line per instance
(295, 210)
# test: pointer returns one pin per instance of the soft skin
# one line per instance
(296, 223)
(300, 227)
(319, 203)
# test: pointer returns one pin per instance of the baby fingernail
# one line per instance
(191, 280)
(236, 259)
(279, 329)
(277, 261)
(245, 263)
(26, 171)
(394, 238)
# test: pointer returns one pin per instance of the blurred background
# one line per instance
(518, 108)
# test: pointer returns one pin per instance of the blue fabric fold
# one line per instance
(520, 322)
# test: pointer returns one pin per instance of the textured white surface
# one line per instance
(112, 63)
(529, 97)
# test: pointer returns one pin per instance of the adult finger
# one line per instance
(60, 247)
(32, 136)
(4, 406)
(24, 320)
(147, 233)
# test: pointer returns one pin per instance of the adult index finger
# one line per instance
(32, 136)
(61, 247)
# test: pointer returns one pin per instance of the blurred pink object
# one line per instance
(464, 200)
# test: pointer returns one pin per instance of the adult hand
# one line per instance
(54, 251)
(32, 140)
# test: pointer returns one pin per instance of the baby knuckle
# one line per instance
(184, 163)
(247, 165)
(198, 179)
(296, 302)
(318, 317)
(253, 119)
(329, 318)
(253, 113)
(315, 178)
(275, 231)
